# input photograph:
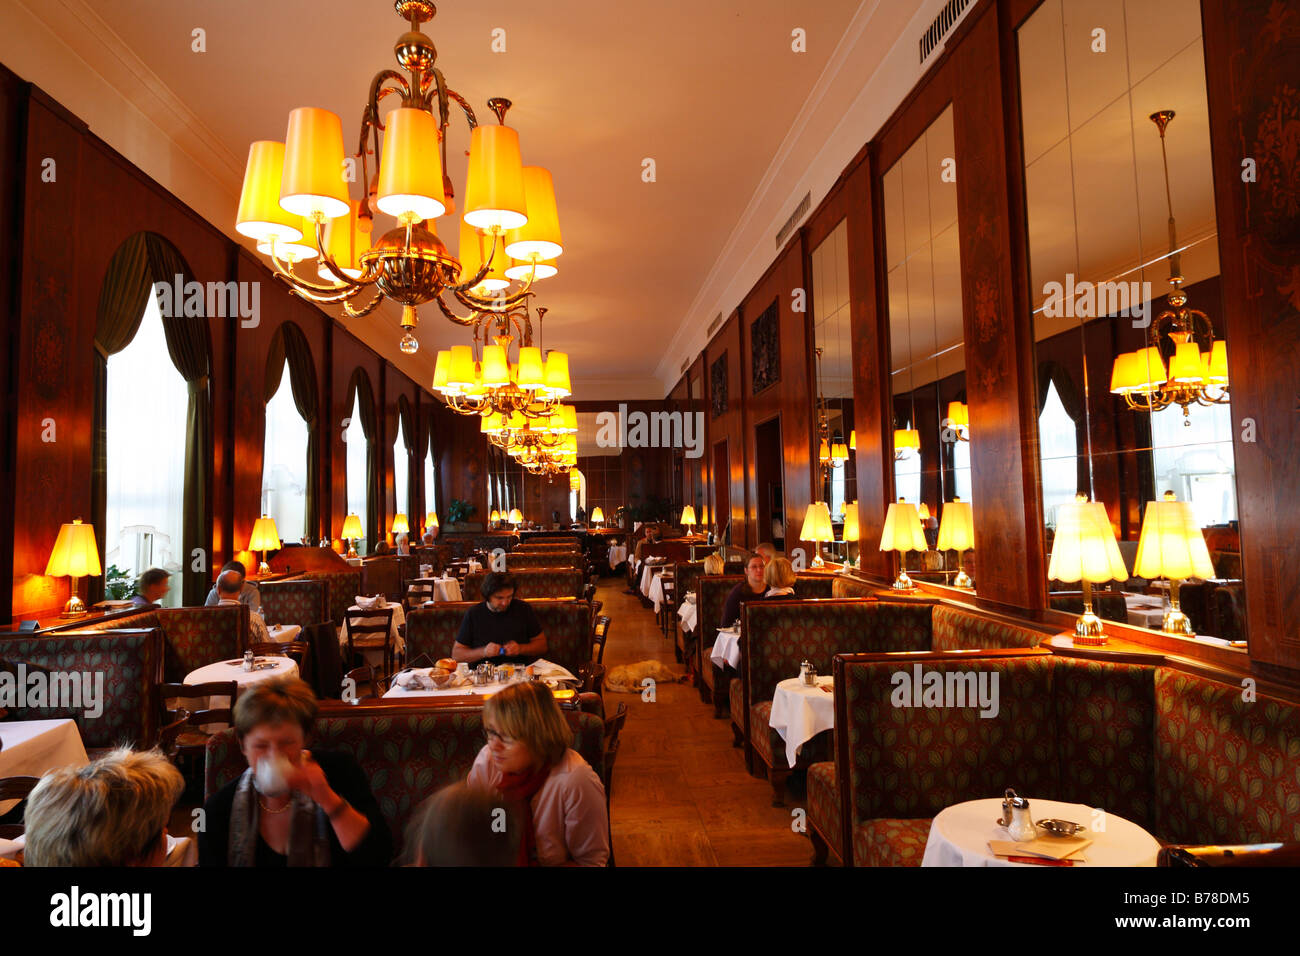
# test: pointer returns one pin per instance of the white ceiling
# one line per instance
(739, 125)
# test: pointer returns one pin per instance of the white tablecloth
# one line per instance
(656, 592)
(439, 590)
(960, 834)
(688, 613)
(1145, 610)
(283, 633)
(399, 645)
(543, 668)
(224, 671)
(355, 562)
(800, 712)
(649, 572)
(32, 747)
(617, 555)
(726, 649)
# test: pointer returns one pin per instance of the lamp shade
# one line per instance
(817, 523)
(1218, 371)
(851, 530)
(265, 537)
(1186, 365)
(958, 415)
(688, 516)
(902, 528)
(431, 519)
(923, 511)
(1143, 371)
(441, 369)
(495, 516)
(474, 246)
(1172, 544)
(312, 182)
(557, 374)
(496, 373)
(539, 238)
(956, 527)
(261, 216)
(569, 419)
(294, 250)
(520, 271)
(853, 440)
(516, 516)
(461, 373)
(907, 438)
(597, 514)
(75, 552)
(345, 241)
(410, 168)
(351, 527)
(532, 373)
(400, 524)
(1084, 547)
(494, 185)
(839, 452)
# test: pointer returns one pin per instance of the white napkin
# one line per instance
(370, 603)
(545, 668)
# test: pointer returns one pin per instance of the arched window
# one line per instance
(1060, 450)
(361, 472)
(430, 478)
(402, 472)
(145, 410)
(284, 463)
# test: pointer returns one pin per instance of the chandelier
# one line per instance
(831, 453)
(295, 200)
(1191, 376)
(543, 447)
(492, 384)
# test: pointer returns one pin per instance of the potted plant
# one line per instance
(458, 512)
(118, 585)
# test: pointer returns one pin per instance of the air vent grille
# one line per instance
(714, 324)
(942, 25)
(799, 212)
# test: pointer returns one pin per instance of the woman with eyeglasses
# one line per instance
(557, 797)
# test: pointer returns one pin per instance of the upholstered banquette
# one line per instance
(528, 560)
(431, 631)
(535, 583)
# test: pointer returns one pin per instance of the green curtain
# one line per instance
(189, 348)
(369, 428)
(290, 344)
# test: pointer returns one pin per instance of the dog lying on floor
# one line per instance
(627, 678)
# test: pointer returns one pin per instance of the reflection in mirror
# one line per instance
(832, 338)
(1130, 346)
(695, 406)
(932, 428)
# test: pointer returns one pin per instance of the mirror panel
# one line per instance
(832, 336)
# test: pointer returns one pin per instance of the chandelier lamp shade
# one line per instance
(295, 200)
(852, 531)
(265, 537)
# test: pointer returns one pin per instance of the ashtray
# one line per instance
(1060, 828)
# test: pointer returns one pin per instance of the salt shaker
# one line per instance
(248, 660)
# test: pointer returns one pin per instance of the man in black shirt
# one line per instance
(501, 629)
(747, 590)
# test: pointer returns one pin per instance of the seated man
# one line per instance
(501, 629)
(248, 593)
(228, 591)
(153, 588)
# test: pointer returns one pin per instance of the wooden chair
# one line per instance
(613, 728)
(298, 651)
(591, 677)
(599, 635)
(15, 788)
(370, 630)
(668, 606)
(417, 594)
(185, 726)
(362, 675)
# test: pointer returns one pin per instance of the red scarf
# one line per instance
(519, 789)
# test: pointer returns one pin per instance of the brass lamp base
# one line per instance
(903, 582)
(1088, 630)
(352, 551)
(75, 607)
(963, 580)
(1177, 624)
(263, 568)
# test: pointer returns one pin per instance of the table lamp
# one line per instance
(1172, 546)
(597, 516)
(817, 528)
(688, 517)
(902, 533)
(851, 533)
(75, 554)
(431, 522)
(957, 533)
(351, 531)
(495, 518)
(264, 538)
(516, 517)
(1084, 549)
(400, 525)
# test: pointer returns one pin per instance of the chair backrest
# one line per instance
(535, 583)
(431, 631)
(300, 601)
(600, 636)
(959, 629)
(359, 675)
(195, 716)
(17, 788)
(126, 665)
(687, 575)
(713, 591)
(198, 636)
(567, 626)
(780, 635)
(382, 575)
(341, 588)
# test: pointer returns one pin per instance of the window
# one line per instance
(961, 470)
(284, 463)
(1195, 461)
(430, 499)
(358, 489)
(837, 494)
(145, 415)
(1060, 450)
(402, 474)
(907, 475)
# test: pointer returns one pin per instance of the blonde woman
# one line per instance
(112, 812)
(558, 799)
(713, 564)
(779, 578)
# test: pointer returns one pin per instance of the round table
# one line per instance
(224, 671)
(30, 748)
(726, 649)
(800, 712)
(960, 835)
(283, 633)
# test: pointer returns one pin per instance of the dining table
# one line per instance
(283, 633)
(1145, 610)
(233, 670)
(31, 748)
(395, 628)
(960, 835)
(726, 648)
(688, 612)
(617, 555)
(403, 687)
(802, 711)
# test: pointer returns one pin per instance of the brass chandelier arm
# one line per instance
(319, 293)
(365, 309)
(472, 320)
(480, 275)
(496, 305)
(366, 278)
(378, 91)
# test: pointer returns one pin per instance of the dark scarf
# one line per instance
(519, 789)
(308, 828)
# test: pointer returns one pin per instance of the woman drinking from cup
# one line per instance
(290, 807)
(559, 800)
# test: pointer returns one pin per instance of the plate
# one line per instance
(1060, 828)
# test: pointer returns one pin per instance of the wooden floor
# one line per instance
(681, 794)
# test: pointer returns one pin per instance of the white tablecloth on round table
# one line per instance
(399, 618)
(656, 592)
(33, 747)
(726, 649)
(617, 555)
(283, 633)
(438, 590)
(542, 666)
(960, 834)
(689, 613)
(800, 713)
(223, 671)
(1145, 610)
